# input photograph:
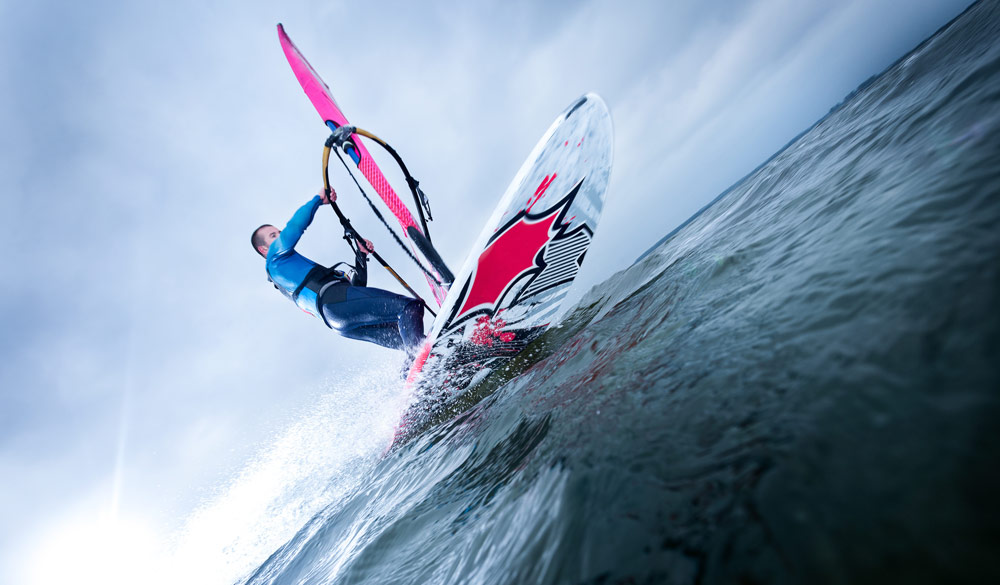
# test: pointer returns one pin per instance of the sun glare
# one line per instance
(109, 552)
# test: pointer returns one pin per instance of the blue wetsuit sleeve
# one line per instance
(297, 225)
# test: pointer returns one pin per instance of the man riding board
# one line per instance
(344, 303)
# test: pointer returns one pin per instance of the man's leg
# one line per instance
(411, 324)
(375, 315)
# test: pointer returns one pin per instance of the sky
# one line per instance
(149, 374)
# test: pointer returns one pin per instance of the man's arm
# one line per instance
(360, 268)
(297, 225)
(361, 261)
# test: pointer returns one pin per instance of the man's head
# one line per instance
(262, 238)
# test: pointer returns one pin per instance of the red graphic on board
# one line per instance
(488, 331)
(514, 258)
(511, 255)
(540, 191)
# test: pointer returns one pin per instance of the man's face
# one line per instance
(270, 234)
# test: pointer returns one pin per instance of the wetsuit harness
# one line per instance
(321, 279)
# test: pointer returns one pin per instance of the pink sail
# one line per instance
(319, 94)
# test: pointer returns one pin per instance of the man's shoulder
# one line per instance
(280, 249)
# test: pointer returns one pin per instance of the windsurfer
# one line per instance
(343, 302)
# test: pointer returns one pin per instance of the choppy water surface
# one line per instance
(800, 385)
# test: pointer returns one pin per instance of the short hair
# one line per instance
(257, 238)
